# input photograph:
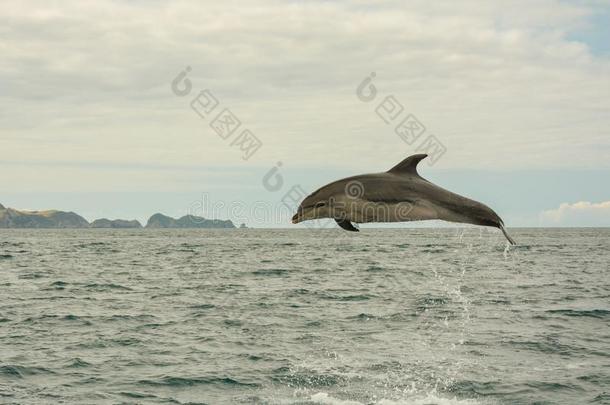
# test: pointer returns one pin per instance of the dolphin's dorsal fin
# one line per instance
(409, 165)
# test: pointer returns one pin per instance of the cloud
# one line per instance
(582, 213)
(500, 87)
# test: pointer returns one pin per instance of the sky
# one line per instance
(102, 110)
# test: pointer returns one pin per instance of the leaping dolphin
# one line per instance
(398, 195)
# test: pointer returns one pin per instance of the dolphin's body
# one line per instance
(398, 195)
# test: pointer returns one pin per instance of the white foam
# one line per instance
(323, 398)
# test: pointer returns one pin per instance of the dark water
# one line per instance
(405, 316)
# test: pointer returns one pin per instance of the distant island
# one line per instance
(13, 218)
(187, 221)
(115, 223)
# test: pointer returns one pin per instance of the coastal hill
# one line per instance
(187, 221)
(115, 223)
(13, 218)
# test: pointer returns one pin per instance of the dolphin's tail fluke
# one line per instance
(510, 240)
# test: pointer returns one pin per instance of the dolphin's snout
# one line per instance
(296, 218)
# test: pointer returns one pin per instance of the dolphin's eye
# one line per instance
(320, 204)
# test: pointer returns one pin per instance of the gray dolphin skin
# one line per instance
(398, 195)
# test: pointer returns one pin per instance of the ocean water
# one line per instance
(393, 316)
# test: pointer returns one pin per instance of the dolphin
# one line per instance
(398, 195)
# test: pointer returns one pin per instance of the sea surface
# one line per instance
(305, 316)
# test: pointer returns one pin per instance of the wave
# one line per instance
(270, 272)
(170, 381)
(22, 371)
(109, 286)
(9, 243)
(548, 346)
(329, 295)
(90, 244)
(203, 306)
(592, 313)
(602, 398)
(59, 284)
(137, 395)
(78, 363)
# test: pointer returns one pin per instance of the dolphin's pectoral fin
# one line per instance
(409, 165)
(346, 224)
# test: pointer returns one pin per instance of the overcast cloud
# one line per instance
(86, 105)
